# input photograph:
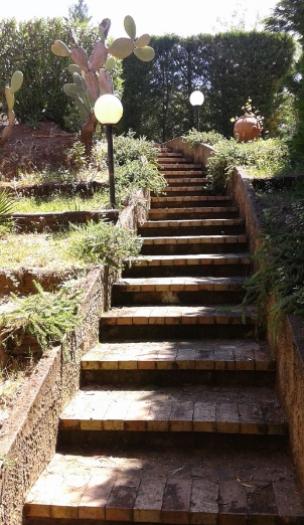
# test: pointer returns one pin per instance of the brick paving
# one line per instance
(183, 383)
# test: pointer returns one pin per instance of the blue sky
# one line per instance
(157, 17)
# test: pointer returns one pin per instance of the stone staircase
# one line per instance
(177, 420)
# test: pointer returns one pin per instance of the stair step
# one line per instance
(213, 264)
(183, 189)
(190, 181)
(195, 239)
(169, 227)
(194, 212)
(201, 200)
(192, 259)
(180, 166)
(207, 485)
(183, 355)
(230, 410)
(182, 173)
(169, 154)
(175, 160)
(193, 244)
(180, 315)
(179, 284)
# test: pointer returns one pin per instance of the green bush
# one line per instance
(262, 158)
(45, 316)
(138, 175)
(128, 148)
(103, 243)
(194, 137)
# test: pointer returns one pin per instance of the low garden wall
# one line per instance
(55, 221)
(288, 347)
(28, 437)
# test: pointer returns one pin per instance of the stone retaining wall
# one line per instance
(56, 221)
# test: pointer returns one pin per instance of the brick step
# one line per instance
(202, 486)
(202, 212)
(192, 227)
(165, 363)
(175, 160)
(189, 181)
(182, 173)
(142, 322)
(212, 264)
(192, 191)
(184, 166)
(190, 200)
(205, 409)
(186, 244)
(178, 290)
(170, 154)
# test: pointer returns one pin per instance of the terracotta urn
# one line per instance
(246, 128)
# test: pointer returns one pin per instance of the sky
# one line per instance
(155, 17)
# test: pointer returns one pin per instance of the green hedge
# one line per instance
(228, 67)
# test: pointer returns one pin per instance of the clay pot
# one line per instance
(247, 128)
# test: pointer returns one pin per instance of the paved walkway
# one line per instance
(177, 420)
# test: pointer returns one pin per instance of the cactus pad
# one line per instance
(16, 81)
(145, 54)
(60, 49)
(122, 47)
(143, 40)
(130, 26)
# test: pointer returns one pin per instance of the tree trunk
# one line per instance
(87, 133)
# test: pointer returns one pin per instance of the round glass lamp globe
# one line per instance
(196, 98)
(108, 109)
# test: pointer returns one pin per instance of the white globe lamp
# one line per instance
(197, 100)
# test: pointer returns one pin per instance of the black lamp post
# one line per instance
(108, 111)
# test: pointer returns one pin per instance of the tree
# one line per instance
(79, 13)
(288, 16)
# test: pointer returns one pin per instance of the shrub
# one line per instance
(138, 175)
(103, 243)
(194, 137)
(128, 148)
(45, 316)
(261, 158)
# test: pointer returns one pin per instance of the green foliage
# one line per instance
(194, 137)
(26, 46)
(264, 158)
(228, 68)
(45, 316)
(79, 13)
(288, 16)
(128, 148)
(137, 168)
(6, 205)
(103, 243)
(137, 175)
(280, 258)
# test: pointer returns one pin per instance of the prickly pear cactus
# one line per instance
(92, 75)
(9, 92)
